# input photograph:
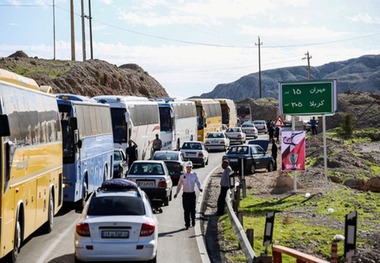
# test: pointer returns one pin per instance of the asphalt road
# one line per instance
(175, 243)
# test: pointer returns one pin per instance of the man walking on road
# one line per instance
(188, 180)
(224, 186)
(157, 144)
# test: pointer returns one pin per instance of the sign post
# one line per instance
(309, 98)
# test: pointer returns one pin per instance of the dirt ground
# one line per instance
(274, 184)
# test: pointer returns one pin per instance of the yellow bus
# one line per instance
(30, 161)
(209, 116)
(229, 115)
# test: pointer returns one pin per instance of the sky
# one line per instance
(189, 47)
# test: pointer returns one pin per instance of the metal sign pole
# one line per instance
(295, 172)
(325, 152)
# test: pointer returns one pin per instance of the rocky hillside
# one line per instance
(364, 106)
(89, 78)
(359, 74)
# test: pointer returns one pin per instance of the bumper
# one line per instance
(135, 251)
(157, 193)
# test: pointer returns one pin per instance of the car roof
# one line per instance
(148, 161)
(263, 143)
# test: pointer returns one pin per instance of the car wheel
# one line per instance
(77, 260)
(170, 196)
(207, 161)
(203, 164)
(166, 201)
(251, 169)
(270, 167)
(154, 260)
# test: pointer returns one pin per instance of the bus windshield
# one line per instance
(67, 133)
(119, 126)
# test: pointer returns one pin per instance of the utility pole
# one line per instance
(72, 30)
(53, 30)
(83, 34)
(259, 44)
(90, 25)
(308, 57)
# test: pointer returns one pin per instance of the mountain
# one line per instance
(89, 78)
(356, 75)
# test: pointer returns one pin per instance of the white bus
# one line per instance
(133, 118)
(178, 123)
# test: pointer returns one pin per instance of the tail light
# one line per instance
(147, 229)
(162, 184)
(200, 154)
(83, 229)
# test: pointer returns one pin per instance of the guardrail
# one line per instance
(301, 257)
(247, 245)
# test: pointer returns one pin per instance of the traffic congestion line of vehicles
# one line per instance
(60, 147)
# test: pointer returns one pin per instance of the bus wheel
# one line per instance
(17, 242)
(48, 226)
(84, 195)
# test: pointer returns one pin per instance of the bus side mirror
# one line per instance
(126, 116)
(8, 153)
(73, 123)
(4, 126)
(79, 144)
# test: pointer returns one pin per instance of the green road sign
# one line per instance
(308, 97)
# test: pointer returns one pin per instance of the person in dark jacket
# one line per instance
(131, 152)
(274, 153)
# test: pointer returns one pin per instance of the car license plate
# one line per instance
(146, 183)
(233, 160)
(115, 234)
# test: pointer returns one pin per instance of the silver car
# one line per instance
(196, 152)
(250, 130)
(153, 177)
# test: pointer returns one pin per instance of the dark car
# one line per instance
(119, 163)
(175, 162)
(253, 156)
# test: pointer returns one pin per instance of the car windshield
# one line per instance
(248, 125)
(193, 146)
(146, 169)
(116, 205)
(238, 150)
(233, 130)
(215, 135)
(165, 156)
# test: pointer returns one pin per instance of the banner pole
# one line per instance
(325, 153)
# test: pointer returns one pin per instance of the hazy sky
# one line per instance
(191, 46)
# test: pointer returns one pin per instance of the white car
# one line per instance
(236, 135)
(261, 126)
(117, 224)
(250, 130)
(153, 177)
(195, 151)
(217, 141)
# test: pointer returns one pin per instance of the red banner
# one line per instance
(293, 150)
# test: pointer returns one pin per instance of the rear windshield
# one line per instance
(146, 169)
(116, 205)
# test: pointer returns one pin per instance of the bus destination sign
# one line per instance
(308, 97)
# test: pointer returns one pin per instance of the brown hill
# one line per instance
(89, 78)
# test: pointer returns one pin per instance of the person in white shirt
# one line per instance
(224, 186)
(187, 181)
